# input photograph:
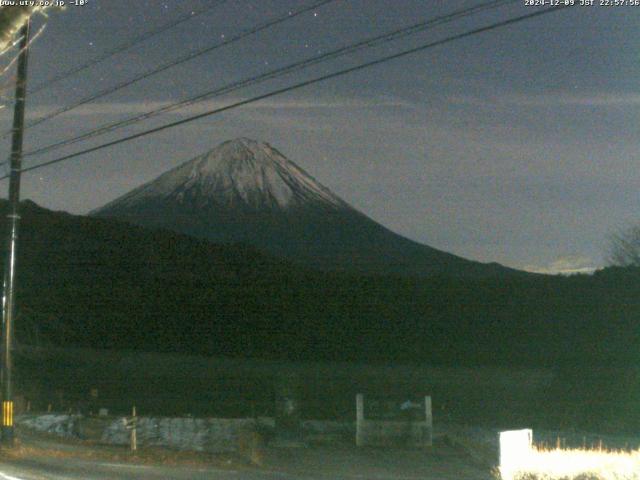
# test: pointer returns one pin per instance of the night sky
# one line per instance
(518, 145)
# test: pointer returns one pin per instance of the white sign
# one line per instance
(515, 448)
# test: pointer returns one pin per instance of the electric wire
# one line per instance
(124, 47)
(302, 84)
(276, 73)
(168, 65)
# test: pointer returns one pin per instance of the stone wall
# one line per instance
(180, 433)
(198, 434)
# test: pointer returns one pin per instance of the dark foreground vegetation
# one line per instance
(90, 282)
(101, 283)
(600, 400)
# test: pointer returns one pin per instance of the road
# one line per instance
(48, 458)
(65, 469)
(384, 467)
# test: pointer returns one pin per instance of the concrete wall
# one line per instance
(416, 433)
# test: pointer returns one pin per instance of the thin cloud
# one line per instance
(551, 100)
(565, 266)
(120, 108)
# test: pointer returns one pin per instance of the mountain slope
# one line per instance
(245, 191)
(84, 281)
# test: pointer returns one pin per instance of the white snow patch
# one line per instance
(62, 425)
(242, 170)
(181, 433)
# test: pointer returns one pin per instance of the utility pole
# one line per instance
(13, 217)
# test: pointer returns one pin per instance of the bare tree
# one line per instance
(624, 247)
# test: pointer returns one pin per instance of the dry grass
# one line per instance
(576, 464)
(31, 444)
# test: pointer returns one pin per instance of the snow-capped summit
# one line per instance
(247, 191)
(241, 173)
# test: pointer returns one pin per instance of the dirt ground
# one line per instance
(441, 462)
(445, 460)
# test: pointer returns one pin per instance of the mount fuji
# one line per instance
(245, 191)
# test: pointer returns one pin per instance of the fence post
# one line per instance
(134, 433)
(429, 420)
(359, 419)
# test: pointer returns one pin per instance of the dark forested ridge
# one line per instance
(102, 283)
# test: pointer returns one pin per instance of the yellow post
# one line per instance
(7, 414)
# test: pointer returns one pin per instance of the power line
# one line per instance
(275, 73)
(166, 66)
(125, 46)
(300, 85)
